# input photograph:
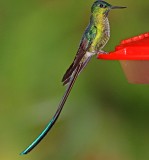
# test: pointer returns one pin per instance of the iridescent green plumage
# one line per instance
(94, 39)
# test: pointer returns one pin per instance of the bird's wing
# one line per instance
(86, 42)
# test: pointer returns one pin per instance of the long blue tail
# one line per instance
(55, 117)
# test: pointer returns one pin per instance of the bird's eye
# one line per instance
(101, 6)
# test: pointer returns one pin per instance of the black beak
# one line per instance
(117, 7)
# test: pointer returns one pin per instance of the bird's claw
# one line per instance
(102, 52)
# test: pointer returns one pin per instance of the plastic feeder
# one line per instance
(133, 54)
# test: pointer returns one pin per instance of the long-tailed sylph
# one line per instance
(93, 40)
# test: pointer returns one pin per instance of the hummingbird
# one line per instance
(95, 37)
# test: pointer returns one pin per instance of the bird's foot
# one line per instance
(102, 52)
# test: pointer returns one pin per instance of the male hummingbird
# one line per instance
(93, 40)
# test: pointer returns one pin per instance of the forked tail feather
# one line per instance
(56, 115)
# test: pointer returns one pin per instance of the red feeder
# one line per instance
(133, 54)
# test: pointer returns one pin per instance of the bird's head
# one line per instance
(102, 7)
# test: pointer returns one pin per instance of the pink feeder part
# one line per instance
(133, 54)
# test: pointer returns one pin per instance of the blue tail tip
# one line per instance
(22, 153)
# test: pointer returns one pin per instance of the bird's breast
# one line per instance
(102, 35)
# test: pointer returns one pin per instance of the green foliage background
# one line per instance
(105, 118)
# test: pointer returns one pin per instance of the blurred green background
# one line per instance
(105, 118)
